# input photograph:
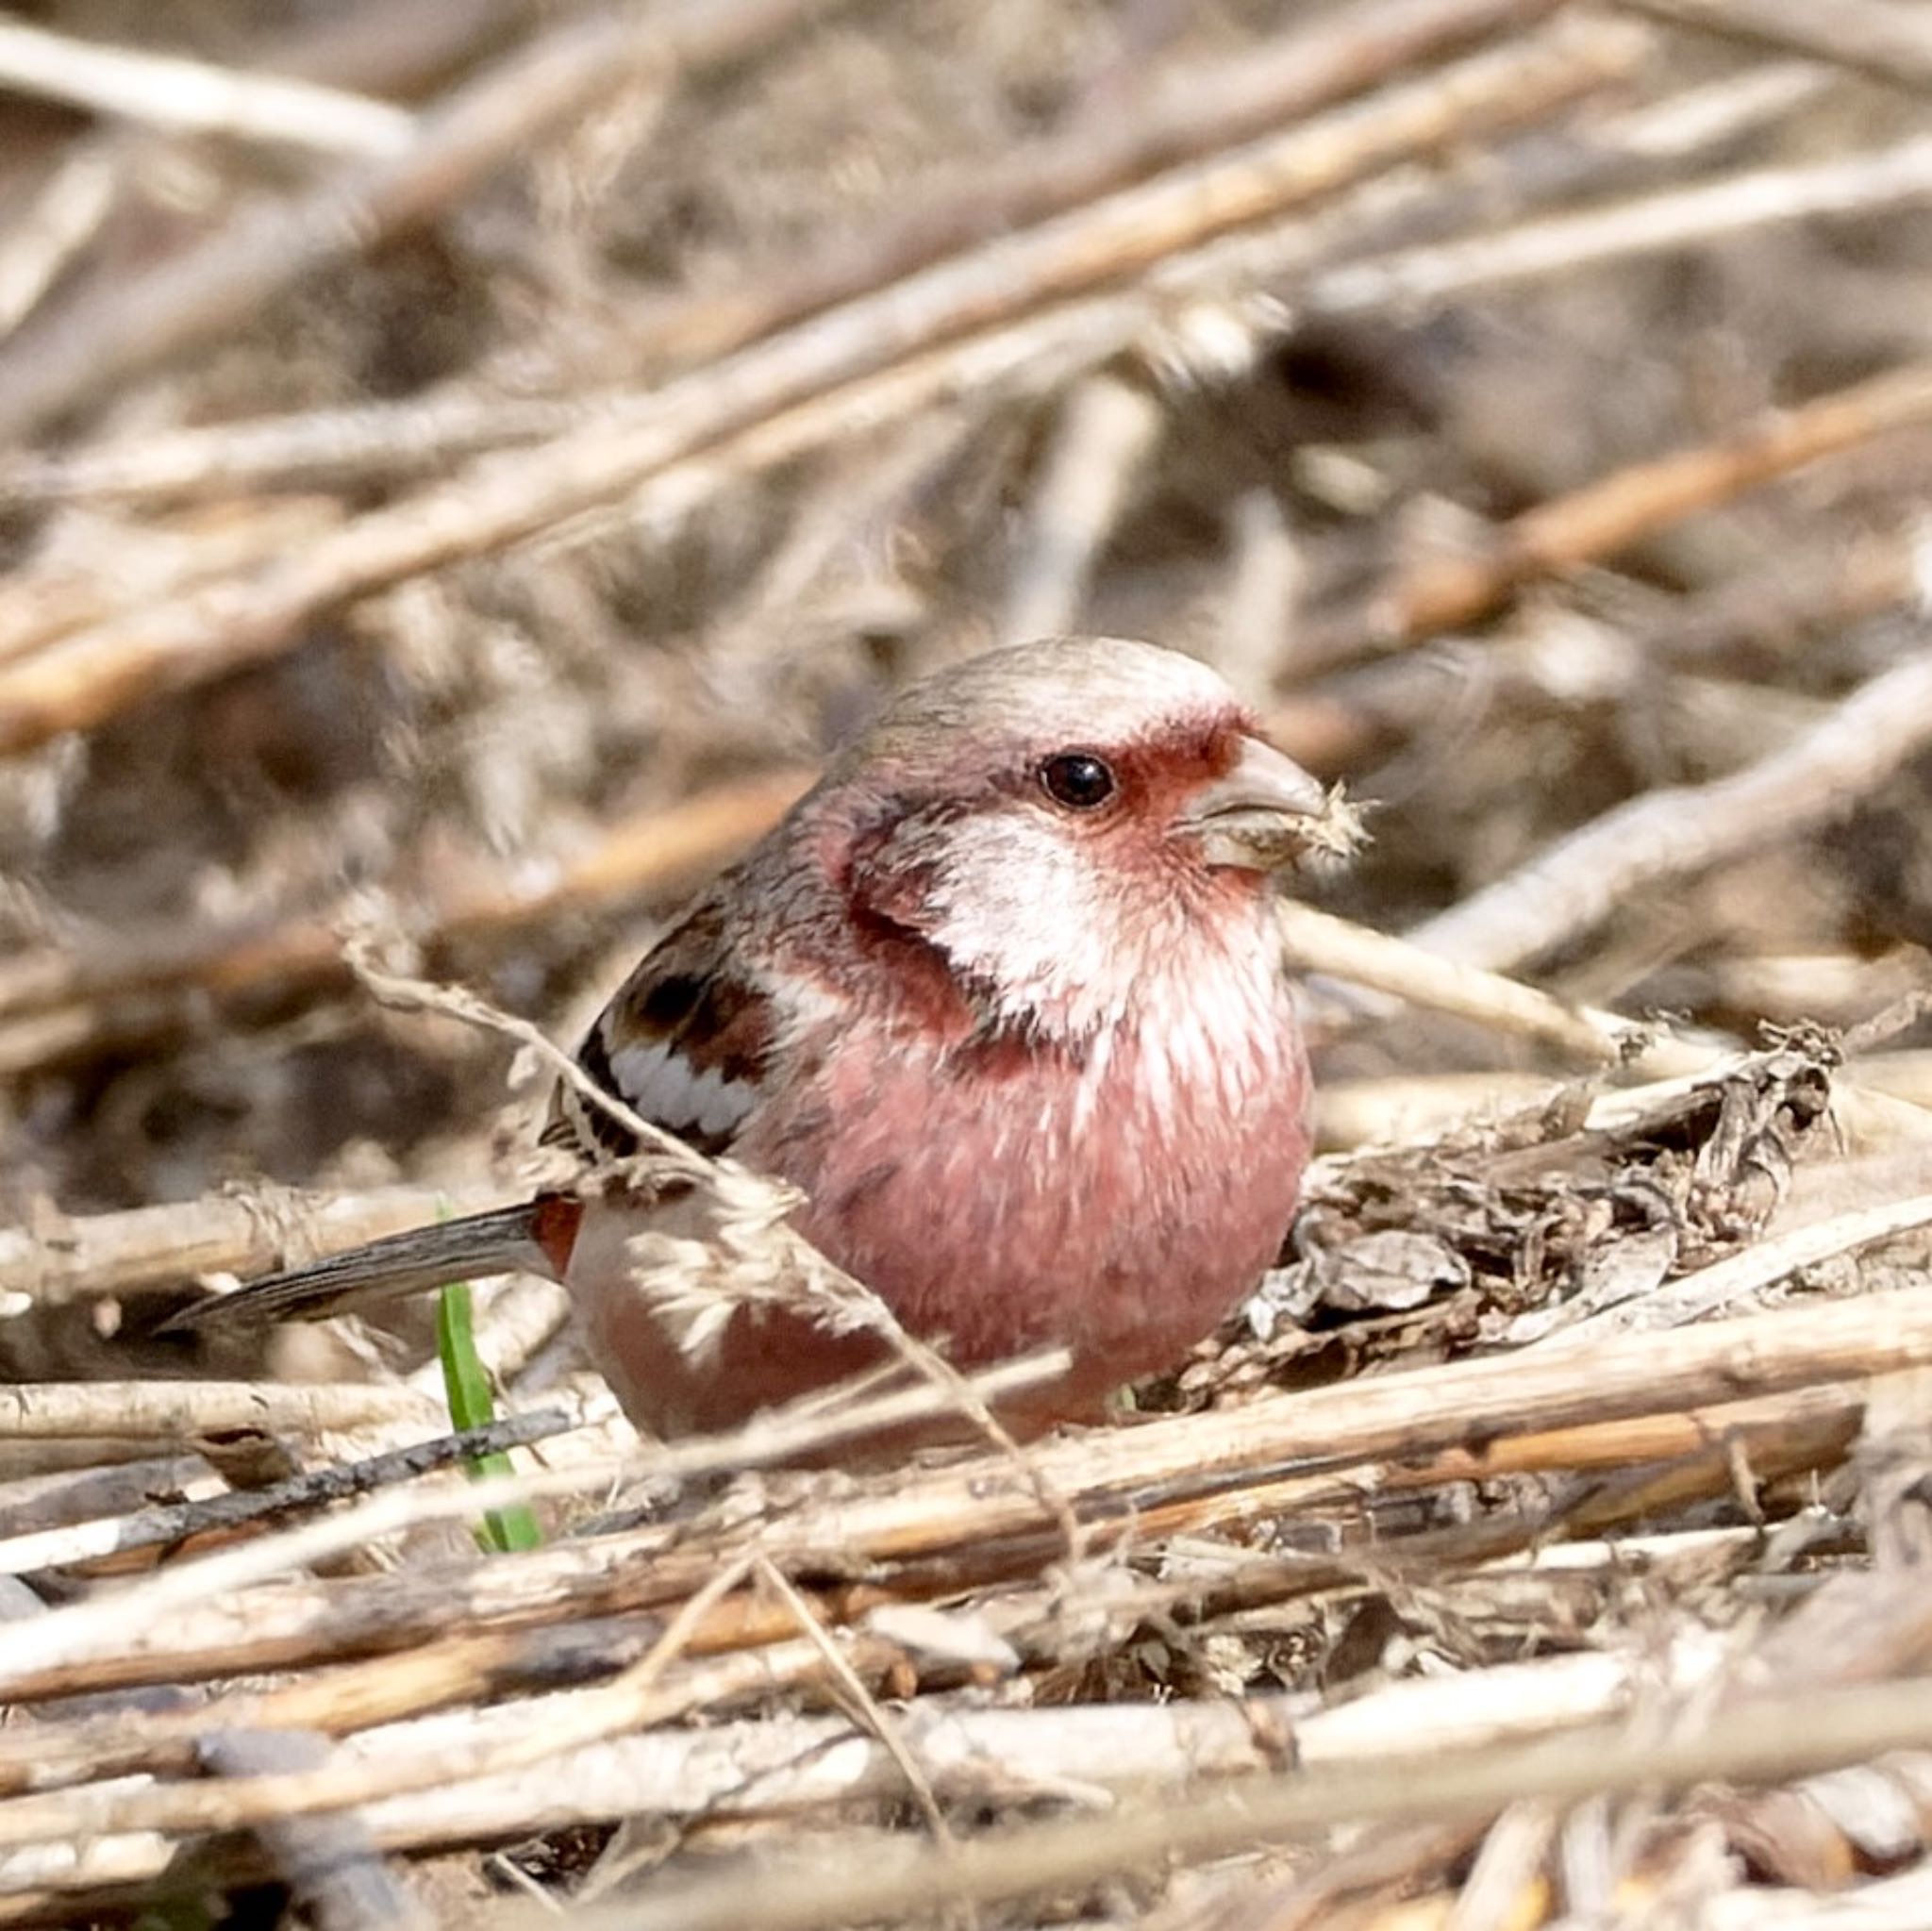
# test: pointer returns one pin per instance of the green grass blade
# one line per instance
(466, 1387)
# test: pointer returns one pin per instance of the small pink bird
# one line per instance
(1002, 996)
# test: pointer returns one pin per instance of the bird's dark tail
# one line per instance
(531, 1238)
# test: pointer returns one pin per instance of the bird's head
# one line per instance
(1058, 820)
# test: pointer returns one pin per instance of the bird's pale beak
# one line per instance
(1263, 813)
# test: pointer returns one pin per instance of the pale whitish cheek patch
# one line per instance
(669, 1091)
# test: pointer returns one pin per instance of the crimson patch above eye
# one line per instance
(1077, 779)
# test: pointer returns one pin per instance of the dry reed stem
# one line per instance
(59, 1259)
(1412, 281)
(1192, 115)
(1876, 38)
(90, 677)
(182, 1411)
(1688, 1454)
(1507, 1867)
(100, 1536)
(196, 96)
(1184, 116)
(1768, 1739)
(44, 606)
(1670, 1459)
(1317, 942)
(424, 432)
(966, 1515)
(1462, 1710)
(752, 1655)
(1465, 1404)
(1361, 1112)
(61, 1497)
(95, 1634)
(762, 1767)
(1347, 722)
(1108, 432)
(1810, 1427)
(862, 1705)
(1178, 117)
(1609, 515)
(1712, 1289)
(345, 1782)
(442, 1672)
(1297, 74)
(765, 1765)
(483, 125)
(1676, 832)
(65, 215)
(332, 1867)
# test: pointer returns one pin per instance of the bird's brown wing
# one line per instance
(686, 1043)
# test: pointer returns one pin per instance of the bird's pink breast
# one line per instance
(1117, 1201)
(1004, 1210)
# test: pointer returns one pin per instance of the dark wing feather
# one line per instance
(686, 1043)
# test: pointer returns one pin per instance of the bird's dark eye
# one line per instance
(1077, 779)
